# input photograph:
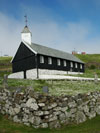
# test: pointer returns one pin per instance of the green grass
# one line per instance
(90, 126)
(5, 66)
(56, 87)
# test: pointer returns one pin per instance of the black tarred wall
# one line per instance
(25, 59)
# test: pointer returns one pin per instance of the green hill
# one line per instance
(5, 65)
(90, 60)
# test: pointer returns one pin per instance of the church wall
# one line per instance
(54, 65)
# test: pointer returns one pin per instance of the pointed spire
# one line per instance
(25, 20)
(26, 35)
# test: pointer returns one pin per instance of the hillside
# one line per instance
(5, 65)
(91, 60)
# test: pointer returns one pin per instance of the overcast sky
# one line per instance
(60, 24)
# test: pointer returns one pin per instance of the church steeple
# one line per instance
(26, 35)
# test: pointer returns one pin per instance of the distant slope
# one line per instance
(5, 65)
(91, 60)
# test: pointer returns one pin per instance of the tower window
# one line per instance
(41, 59)
(58, 62)
(49, 60)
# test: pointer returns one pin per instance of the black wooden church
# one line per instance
(32, 60)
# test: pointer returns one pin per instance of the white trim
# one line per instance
(29, 47)
(26, 46)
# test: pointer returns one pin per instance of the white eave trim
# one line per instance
(29, 47)
(26, 46)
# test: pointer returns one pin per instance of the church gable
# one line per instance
(22, 53)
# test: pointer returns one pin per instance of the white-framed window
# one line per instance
(71, 64)
(65, 63)
(49, 60)
(58, 62)
(81, 66)
(41, 59)
(76, 65)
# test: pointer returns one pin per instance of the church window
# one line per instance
(41, 59)
(58, 62)
(49, 60)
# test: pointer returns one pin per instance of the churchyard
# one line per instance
(56, 88)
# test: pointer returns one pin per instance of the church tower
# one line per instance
(26, 35)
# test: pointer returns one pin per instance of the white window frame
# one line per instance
(76, 65)
(41, 59)
(58, 62)
(71, 64)
(65, 63)
(49, 60)
(81, 66)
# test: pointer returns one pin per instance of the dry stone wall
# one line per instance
(43, 111)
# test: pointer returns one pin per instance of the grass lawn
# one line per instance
(90, 126)
(56, 87)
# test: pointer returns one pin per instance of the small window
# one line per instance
(58, 62)
(76, 65)
(49, 60)
(71, 64)
(65, 64)
(41, 59)
(81, 66)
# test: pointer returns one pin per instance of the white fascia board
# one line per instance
(26, 46)
(29, 47)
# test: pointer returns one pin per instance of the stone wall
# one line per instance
(42, 110)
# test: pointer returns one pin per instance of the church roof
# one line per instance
(26, 30)
(43, 50)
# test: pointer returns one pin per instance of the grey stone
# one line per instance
(92, 114)
(37, 121)
(31, 100)
(11, 111)
(25, 118)
(44, 125)
(31, 104)
(46, 112)
(62, 116)
(52, 118)
(54, 124)
(97, 110)
(73, 110)
(41, 104)
(31, 120)
(57, 108)
(86, 109)
(15, 119)
(17, 110)
(80, 117)
(38, 113)
(72, 104)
